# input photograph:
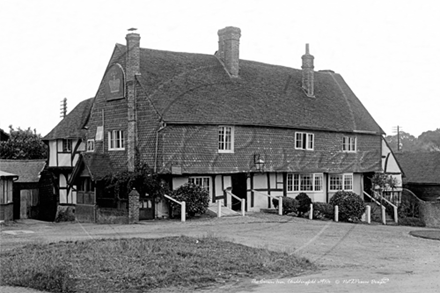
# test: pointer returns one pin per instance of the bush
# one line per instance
(411, 221)
(323, 210)
(304, 203)
(290, 205)
(195, 196)
(351, 206)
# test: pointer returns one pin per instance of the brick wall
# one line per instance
(194, 148)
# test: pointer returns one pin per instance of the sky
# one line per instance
(388, 51)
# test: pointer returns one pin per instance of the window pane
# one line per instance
(289, 182)
(348, 182)
(296, 182)
(306, 182)
(310, 141)
(221, 144)
(298, 140)
(335, 182)
(318, 182)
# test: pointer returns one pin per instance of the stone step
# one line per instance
(226, 212)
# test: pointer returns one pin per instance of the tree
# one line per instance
(408, 142)
(430, 140)
(23, 144)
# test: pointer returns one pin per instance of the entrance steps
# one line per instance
(226, 212)
(376, 214)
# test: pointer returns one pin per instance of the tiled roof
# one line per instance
(71, 126)
(98, 165)
(195, 89)
(421, 167)
(27, 170)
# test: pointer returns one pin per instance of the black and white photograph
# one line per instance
(241, 146)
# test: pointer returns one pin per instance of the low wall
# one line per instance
(430, 213)
(111, 216)
(85, 213)
(7, 212)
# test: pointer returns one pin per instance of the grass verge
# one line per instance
(139, 265)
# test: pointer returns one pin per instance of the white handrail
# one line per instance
(279, 198)
(242, 201)
(365, 193)
(182, 207)
(396, 216)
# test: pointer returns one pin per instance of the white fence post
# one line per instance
(336, 214)
(219, 208)
(183, 212)
(243, 206)
(396, 216)
(311, 212)
(280, 206)
(369, 214)
(384, 216)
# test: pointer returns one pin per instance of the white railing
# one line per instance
(279, 198)
(383, 209)
(242, 201)
(182, 207)
(378, 195)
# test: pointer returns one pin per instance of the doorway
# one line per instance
(239, 188)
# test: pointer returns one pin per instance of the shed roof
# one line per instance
(97, 165)
(72, 125)
(420, 167)
(27, 170)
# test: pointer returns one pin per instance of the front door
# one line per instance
(239, 188)
(367, 185)
(146, 207)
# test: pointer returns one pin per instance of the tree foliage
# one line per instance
(427, 141)
(23, 144)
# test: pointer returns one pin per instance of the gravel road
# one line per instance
(352, 257)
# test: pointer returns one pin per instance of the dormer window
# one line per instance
(225, 139)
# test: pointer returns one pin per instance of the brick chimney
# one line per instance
(308, 73)
(132, 69)
(229, 48)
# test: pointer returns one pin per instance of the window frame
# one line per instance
(66, 145)
(193, 179)
(296, 181)
(90, 142)
(343, 182)
(223, 139)
(113, 138)
(304, 141)
(349, 144)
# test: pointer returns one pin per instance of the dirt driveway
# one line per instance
(353, 258)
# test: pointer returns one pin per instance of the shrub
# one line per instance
(290, 205)
(323, 210)
(411, 221)
(351, 206)
(195, 196)
(304, 203)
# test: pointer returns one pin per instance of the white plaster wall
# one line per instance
(53, 153)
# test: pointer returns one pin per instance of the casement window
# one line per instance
(349, 144)
(304, 141)
(200, 181)
(5, 191)
(116, 140)
(225, 139)
(304, 182)
(341, 182)
(67, 146)
(90, 145)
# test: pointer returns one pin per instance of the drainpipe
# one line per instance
(162, 126)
